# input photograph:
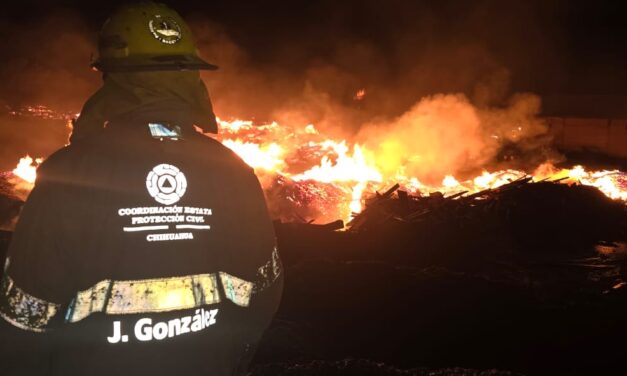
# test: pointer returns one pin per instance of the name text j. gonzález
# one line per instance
(147, 330)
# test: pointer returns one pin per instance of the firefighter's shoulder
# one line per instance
(60, 164)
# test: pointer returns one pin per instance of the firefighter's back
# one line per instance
(157, 255)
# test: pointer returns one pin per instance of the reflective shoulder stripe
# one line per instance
(144, 296)
(269, 272)
(240, 291)
(236, 290)
(23, 310)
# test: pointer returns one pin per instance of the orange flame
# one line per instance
(303, 154)
(612, 183)
(27, 169)
(268, 157)
(353, 167)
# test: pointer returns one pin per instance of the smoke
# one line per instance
(275, 69)
(46, 61)
(321, 89)
(43, 61)
(401, 64)
(446, 134)
(428, 111)
(29, 135)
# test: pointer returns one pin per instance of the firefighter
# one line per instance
(145, 247)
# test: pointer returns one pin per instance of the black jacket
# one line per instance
(135, 255)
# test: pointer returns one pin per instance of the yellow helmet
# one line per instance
(147, 36)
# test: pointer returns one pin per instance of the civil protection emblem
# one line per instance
(164, 29)
(166, 184)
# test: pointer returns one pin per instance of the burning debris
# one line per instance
(504, 199)
(294, 201)
(42, 112)
(309, 176)
(343, 175)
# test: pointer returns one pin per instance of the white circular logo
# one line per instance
(166, 183)
(164, 29)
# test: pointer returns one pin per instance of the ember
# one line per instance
(360, 95)
(42, 112)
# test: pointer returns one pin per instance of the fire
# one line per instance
(324, 160)
(268, 157)
(613, 183)
(306, 167)
(27, 169)
(42, 112)
(449, 181)
(305, 155)
(347, 166)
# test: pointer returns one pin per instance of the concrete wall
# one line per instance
(608, 136)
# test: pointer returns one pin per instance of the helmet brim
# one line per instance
(153, 63)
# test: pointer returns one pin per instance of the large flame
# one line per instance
(341, 173)
(26, 169)
(305, 155)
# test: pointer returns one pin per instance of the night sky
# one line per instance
(551, 47)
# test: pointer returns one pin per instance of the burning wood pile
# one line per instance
(543, 221)
(310, 177)
(397, 208)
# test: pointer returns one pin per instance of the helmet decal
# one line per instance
(166, 184)
(164, 29)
